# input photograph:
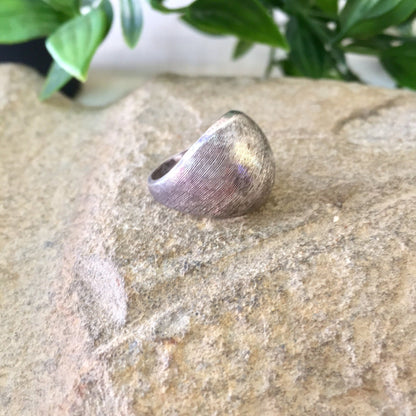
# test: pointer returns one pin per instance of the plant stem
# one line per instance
(360, 50)
(271, 63)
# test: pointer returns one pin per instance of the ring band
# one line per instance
(227, 172)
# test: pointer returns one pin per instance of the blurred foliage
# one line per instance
(315, 35)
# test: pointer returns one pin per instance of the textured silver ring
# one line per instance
(227, 172)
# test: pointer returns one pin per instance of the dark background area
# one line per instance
(35, 55)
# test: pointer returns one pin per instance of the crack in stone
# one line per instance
(365, 113)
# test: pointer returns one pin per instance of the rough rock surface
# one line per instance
(112, 304)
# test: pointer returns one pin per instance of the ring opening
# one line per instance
(166, 166)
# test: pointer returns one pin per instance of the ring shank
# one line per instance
(166, 166)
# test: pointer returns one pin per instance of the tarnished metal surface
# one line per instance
(228, 172)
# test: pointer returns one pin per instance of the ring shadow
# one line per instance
(297, 197)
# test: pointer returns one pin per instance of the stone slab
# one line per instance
(112, 304)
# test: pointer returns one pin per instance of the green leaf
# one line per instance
(365, 18)
(246, 19)
(400, 62)
(289, 69)
(377, 24)
(329, 6)
(210, 29)
(406, 28)
(22, 20)
(158, 5)
(307, 52)
(87, 5)
(268, 6)
(276, 3)
(355, 11)
(241, 48)
(56, 79)
(131, 21)
(108, 10)
(371, 46)
(73, 45)
(69, 7)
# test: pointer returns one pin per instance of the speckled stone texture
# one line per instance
(112, 304)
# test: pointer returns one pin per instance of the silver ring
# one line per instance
(228, 172)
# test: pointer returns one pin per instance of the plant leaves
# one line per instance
(69, 7)
(55, 80)
(400, 62)
(246, 19)
(108, 10)
(355, 11)
(87, 5)
(276, 3)
(365, 18)
(131, 21)
(241, 48)
(377, 24)
(289, 69)
(268, 6)
(307, 52)
(22, 20)
(329, 6)
(210, 29)
(73, 45)
(158, 5)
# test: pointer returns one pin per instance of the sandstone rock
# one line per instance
(112, 304)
